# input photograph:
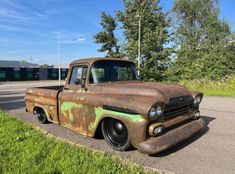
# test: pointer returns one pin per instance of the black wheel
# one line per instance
(116, 134)
(41, 115)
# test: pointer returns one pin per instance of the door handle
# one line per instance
(66, 88)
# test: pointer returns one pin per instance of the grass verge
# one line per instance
(23, 149)
(223, 87)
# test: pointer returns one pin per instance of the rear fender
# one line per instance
(42, 107)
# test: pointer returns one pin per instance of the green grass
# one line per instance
(223, 87)
(23, 149)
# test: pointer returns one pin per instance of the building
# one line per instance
(22, 71)
(17, 64)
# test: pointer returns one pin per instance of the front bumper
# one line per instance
(171, 138)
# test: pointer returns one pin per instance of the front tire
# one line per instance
(116, 134)
(41, 115)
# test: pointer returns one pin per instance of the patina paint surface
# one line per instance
(132, 117)
(45, 98)
(82, 108)
(101, 113)
(68, 107)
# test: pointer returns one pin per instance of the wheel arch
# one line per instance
(136, 129)
(98, 131)
(36, 107)
(128, 123)
(118, 141)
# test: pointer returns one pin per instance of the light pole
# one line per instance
(139, 42)
(58, 56)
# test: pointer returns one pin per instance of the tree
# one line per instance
(200, 41)
(154, 36)
(107, 37)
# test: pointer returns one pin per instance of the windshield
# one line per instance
(108, 71)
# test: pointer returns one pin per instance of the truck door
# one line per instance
(71, 99)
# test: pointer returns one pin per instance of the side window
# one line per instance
(125, 73)
(78, 73)
(84, 73)
(97, 75)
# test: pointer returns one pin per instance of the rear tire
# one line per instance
(116, 134)
(41, 115)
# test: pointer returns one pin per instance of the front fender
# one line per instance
(195, 93)
(135, 123)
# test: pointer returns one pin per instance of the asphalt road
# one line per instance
(212, 151)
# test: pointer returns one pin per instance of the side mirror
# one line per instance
(79, 82)
(82, 83)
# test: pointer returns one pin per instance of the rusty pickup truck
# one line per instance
(104, 95)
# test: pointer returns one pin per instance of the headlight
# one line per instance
(197, 100)
(152, 113)
(159, 110)
(157, 130)
(155, 112)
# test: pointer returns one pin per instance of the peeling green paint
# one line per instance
(100, 112)
(82, 90)
(98, 116)
(69, 106)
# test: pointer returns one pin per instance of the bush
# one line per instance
(221, 87)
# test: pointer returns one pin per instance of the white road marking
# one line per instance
(13, 101)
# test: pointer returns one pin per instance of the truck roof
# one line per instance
(94, 59)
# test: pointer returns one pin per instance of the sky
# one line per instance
(27, 27)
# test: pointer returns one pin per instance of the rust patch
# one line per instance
(158, 144)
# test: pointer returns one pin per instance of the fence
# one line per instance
(24, 74)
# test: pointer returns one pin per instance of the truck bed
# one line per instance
(44, 97)
(51, 87)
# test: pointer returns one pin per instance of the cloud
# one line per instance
(22, 42)
(12, 9)
(29, 25)
(49, 12)
(12, 14)
(23, 31)
(67, 37)
(81, 39)
(72, 41)
(13, 4)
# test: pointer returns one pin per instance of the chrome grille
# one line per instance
(175, 112)
(178, 106)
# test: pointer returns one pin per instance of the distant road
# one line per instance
(31, 83)
(212, 151)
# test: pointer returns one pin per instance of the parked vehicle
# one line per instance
(105, 95)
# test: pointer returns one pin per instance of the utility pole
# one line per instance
(58, 56)
(139, 42)
(30, 59)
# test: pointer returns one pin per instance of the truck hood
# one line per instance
(136, 96)
(162, 91)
